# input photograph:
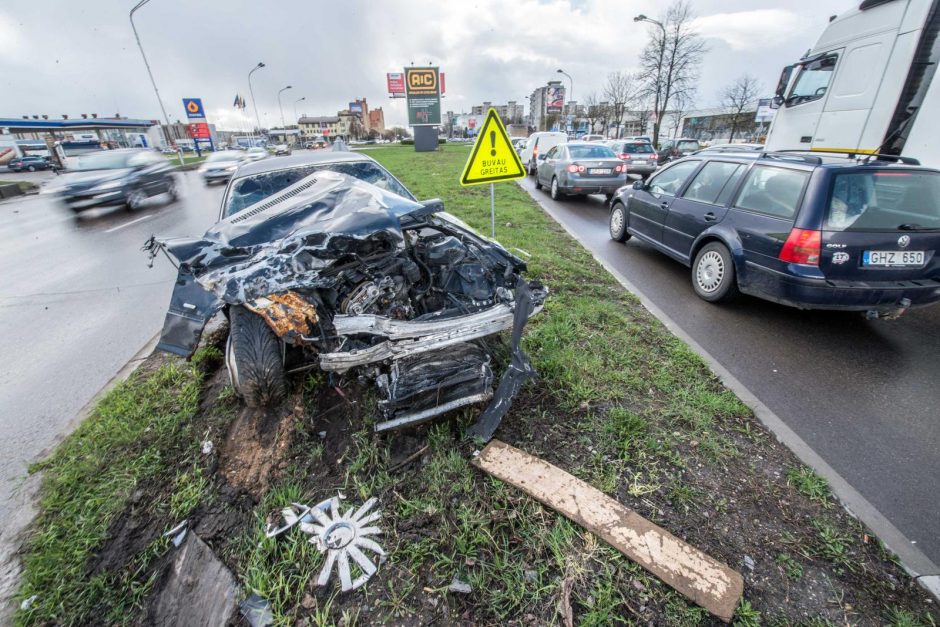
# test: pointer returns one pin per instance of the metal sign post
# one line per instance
(492, 211)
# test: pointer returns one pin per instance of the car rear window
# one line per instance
(884, 200)
(636, 148)
(772, 191)
(590, 152)
(712, 182)
(683, 146)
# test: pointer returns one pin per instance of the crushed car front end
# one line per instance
(351, 278)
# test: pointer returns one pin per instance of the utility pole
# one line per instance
(166, 119)
(279, 106)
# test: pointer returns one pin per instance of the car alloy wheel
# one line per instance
(556, 195)
(135, 199)
(31, 168)
(710, 271)
(172, 191)
(618, 223)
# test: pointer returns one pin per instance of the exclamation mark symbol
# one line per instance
(493, 143)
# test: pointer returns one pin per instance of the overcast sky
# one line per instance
(79, 56)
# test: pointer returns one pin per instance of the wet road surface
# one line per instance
(863, 394)
(77, 301)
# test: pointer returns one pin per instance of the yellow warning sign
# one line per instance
(493, 158)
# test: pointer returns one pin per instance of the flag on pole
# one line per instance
(239, 102)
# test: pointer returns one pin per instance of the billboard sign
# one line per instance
(194, 110)
(199, 130)
(423, 92)
(764, 112)
(355, 107)
(554, 99)
(396, 84)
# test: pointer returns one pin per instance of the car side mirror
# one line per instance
(542, 157)
(639, 185)
(776, 102)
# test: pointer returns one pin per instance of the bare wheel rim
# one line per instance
(616, 222)
(710, 271)
(136, 199)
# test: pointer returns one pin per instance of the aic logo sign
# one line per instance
(421, 80)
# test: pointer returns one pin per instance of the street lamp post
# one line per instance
(295, 107)
(662, 51)
(254, 103)
(570, 90)
(166, 119)
(279, 106)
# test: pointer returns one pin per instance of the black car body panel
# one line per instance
(132, 170)
(399, 289)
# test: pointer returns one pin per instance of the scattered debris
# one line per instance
(341, 536)
(195, 588)
(460, 587)
(207, 447)
(322, 435)
(691, 572)
(530, 575)
(178, 533)
(749, 562)
(409, 459)
(28, 602)
(257, 611)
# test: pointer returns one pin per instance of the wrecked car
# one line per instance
(337, 273)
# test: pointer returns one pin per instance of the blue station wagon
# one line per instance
(809, 230)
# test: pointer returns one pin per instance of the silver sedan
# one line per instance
(580, 168)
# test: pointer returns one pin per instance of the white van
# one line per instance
(538, 144)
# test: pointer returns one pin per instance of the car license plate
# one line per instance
(600, 171)
(901, 258)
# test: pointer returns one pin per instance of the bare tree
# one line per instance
(737, 96)
(683, 103)
(620, 91)
(669, 63)
(592, 110)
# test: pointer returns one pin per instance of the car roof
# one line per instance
(293, 161)
(802, 160)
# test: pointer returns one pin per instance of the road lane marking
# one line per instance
(121, 226)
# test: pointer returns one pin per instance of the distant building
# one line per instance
(511, 111)
(376, 120)
(538, 101)
(328, 126)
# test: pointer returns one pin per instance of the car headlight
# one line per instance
(107, 186)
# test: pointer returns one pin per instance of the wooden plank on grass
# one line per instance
(699, 577)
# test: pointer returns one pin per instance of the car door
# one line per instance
(546, 167)
(702, 204)
(649, 205)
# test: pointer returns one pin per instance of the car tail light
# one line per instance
(654, 157)
(625, 156)
(574, 167)
(802, 246)
(620, 167)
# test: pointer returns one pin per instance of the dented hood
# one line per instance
(280, 243)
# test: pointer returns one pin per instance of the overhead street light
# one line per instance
(571, 84)
(643, 18)
(166, 119)
(279, 106)
(295, 107)
(254, 103)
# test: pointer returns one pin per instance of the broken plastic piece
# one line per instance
(257, 611)
(288, 517)
(178, 533)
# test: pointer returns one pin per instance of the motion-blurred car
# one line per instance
(281, 149)
(580, 168)
(638, 156)
(116, 177)
(808, 230)
(673, 149)
(220, 166)
(29, 164)
(256, 153)
(329, 262)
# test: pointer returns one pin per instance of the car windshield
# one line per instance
(884, 200)
(248, 190)
(104, 160)
(590, 152)
(688, 145)
(227, 155)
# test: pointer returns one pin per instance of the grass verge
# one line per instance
(620, 403)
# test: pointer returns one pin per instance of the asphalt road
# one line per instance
(77, 301)
(863, 394)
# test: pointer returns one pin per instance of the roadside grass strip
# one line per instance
(620, 404)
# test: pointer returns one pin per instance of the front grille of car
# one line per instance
(244, 215)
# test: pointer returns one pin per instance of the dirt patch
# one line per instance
(256, 444)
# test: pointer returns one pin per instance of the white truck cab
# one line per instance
(867, 85)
